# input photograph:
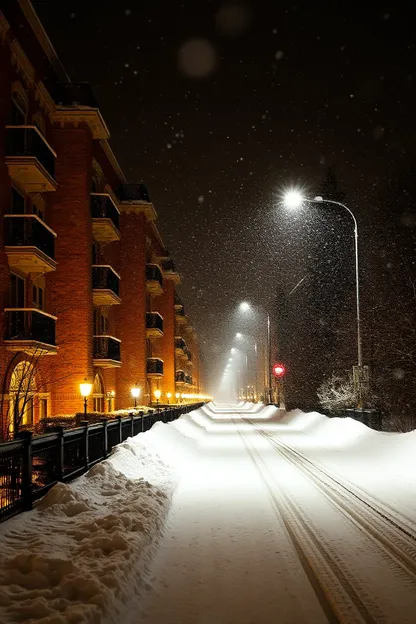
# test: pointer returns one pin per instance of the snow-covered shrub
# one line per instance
(337, 392)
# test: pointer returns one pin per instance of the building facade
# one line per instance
(87, 287)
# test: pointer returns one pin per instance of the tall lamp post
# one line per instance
(85, 389)
(293, 200)
(246, 307)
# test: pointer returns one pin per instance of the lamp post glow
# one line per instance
(177, 396)
(85, 389)
(135, 393)
(168, 395)
(293, 199)
(157, 394)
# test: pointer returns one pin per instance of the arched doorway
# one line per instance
(22, 393)
(98, 394)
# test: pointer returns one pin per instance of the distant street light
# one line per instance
(240, 336)
(293, 199)
(246, 307)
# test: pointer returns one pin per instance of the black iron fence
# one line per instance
(31, 465)
(104, 278)
(102, 207)
(371, 417)
(25, 325)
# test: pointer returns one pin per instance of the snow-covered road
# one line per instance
(258, 534)
(231, 514)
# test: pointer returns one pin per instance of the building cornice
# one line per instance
(138, 207)
(82, 115)
(44, 98)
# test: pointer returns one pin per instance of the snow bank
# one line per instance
(74, 558)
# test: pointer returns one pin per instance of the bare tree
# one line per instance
(337, 392)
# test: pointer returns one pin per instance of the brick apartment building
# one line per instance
(87, 287)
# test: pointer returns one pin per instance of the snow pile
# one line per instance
(74, 558)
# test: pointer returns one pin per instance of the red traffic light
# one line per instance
(278, 370)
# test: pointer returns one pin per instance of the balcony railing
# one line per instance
(180, 376)
(106, 350)
(105, 284)
(29, 325)
(27, 141)
(154, 279)
(188, 355)
(154, 366)
(102, 207)
(133, 193)
(154, 324)
(188, 380)
(180, 344)
(74, 94)
(28, 230)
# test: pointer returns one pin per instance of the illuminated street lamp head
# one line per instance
(230, 359)
(293, 199)
(232, 349)
(157, 394)
(135, 392)
(85, 388)
(244, 306)
(238, 335)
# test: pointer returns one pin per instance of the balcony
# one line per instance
(180, 377)
(105, 218)
(29, 244)
(30, 159)
(106, 352)
(154, 367)
(135, 198)
(31, 331)
(105, 285)
(180, 347)
(188, 380)
(154, 325)
(169, 270)
(76, 103)
(188, 355)
(154, 280)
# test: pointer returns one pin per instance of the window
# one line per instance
(38, 207)
(19, 108)
(43, 408)
(38, 298)
(39, 122)
(26, 410)
(98, 395)
(17, 291)
(100, 323)
(17, 203)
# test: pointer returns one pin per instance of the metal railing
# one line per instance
(133, 192)
(28, 230)
(180, 376)
(74, 94)
(154, 366)
(105, 278)
(107, 348)
(180, 344)
(30, 324)
(102, 207)
(154, 321)
(28, 141)
(154, 274)
(31, 465)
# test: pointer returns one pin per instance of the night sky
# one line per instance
(217, 106)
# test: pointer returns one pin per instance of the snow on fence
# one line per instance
(30, 466)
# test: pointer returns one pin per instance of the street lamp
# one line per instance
(293, 199)
(168, 395)
(246, 307)
(177, 396)
(157, 394)
(85, 389)
(240, 336)
(135, 393)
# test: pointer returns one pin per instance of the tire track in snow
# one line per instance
(369, 515)
(333, 587)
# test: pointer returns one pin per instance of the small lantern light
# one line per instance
(135, 393)
(85, 389)
(157, 394)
